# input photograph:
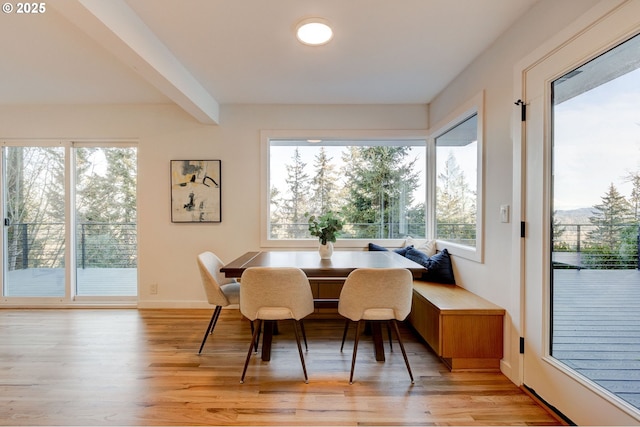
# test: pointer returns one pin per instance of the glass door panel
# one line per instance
(106, 233)
(596, 206)
(34, 216)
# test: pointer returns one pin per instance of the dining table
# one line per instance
(321, 270)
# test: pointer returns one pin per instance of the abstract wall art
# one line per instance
(196, 191)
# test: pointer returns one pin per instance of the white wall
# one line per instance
(493, 72)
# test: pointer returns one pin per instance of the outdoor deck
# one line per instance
(596, 327)
(50, 282)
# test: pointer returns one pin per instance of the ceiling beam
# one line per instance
(115, 26)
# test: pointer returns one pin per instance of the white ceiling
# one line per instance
(203, 53)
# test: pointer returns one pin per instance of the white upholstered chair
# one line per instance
(221, 291)
(275, 293)
(376, 294)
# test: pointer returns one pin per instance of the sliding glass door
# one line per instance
(69, 214)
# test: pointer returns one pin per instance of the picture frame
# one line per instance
(196, 191)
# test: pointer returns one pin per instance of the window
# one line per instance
(386, 186)
(375, 182)
(457, 204)
(456, 154)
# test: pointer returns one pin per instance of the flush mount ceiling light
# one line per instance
(314, 31)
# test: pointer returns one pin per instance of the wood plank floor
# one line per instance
(141, 367)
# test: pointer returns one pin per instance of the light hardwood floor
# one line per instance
(141, 367)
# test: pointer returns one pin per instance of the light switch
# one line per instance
(504, 213)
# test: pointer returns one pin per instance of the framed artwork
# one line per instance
(196, 191)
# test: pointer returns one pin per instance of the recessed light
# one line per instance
(314, 31)
(314, 141)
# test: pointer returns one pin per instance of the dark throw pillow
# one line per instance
(417, 256)
(401, 251)
(439, 268)
(374, 247)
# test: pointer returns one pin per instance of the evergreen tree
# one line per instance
(36, 205)
(557, 232)
(609, 219)
(106, 205)
(634, 178)
(107, 196)
(275, 202)
(455, 203)
(294, 207)
(323, 185)
(610, 243)
(380, 182)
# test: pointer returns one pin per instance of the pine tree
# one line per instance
(106, 204)
(323, 185)
(610, 218)
(455, 202)
(611, 242)
(294, 207)
(634, 178)
(380, 182)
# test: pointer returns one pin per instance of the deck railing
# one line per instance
(351, 230)
(574, 246)
(464, 234)
(100, 245)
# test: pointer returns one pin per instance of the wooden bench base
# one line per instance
(465, 330)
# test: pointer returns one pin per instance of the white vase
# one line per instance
(326, 250)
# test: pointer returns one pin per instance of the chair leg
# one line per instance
(304, 368)
(404, 353)
(390, 340)
(212, 325)
(355, 351)
(344, 334)
(253, 339)
(304, 335)
(258, 339)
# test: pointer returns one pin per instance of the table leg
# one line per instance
(378, 341)
(267, 338)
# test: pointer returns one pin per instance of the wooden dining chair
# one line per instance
(275, 293)
(221, 291)
(376, 295)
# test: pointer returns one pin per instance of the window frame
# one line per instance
(473, 106)
(267, 135)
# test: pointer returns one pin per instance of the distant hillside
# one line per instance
(574, 216)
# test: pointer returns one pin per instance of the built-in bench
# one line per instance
(465, 330)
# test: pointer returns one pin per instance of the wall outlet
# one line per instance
(153, 289)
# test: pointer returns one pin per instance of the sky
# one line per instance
(596, 142)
